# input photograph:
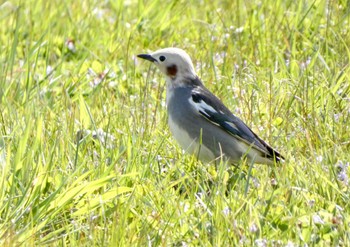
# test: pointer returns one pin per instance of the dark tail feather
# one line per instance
(273, 154)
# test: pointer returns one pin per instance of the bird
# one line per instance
(199, 121)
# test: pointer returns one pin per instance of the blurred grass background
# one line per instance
(86, 157)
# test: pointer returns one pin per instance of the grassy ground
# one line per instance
(68, 72)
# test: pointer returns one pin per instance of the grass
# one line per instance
(68, 72)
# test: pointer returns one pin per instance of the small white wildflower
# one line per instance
(287, 62)
(342, 176)
(239, 30)
(256, 182)
(112, 84)
(342, 171)
(337, 116)
(186, 207)
(99, 13)
(238, 110)
(308, 61)
(319, 158)
(290, 244)
(339, 207)
(226, 211)
(274, 182)
(21, 63)
(261, 242)
(49, 70)
(253, 228)
(317, 219)
(70, 45)
(94, 217)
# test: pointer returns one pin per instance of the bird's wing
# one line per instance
(211, 108)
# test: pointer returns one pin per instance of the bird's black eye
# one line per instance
(161, 58)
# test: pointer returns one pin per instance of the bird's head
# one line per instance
(174, 63)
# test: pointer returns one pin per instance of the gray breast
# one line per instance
(197, 135)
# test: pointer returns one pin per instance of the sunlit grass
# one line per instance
(86, 157)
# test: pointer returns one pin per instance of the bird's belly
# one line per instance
(190, 145)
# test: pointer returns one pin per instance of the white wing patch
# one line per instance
(202, 107)
(232, 125)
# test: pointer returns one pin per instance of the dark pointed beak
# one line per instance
(147, 57)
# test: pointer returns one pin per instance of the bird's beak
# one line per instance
(147, 57)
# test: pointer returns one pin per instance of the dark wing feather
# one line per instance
(224, 118)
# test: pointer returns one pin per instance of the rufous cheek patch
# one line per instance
(171, 70)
